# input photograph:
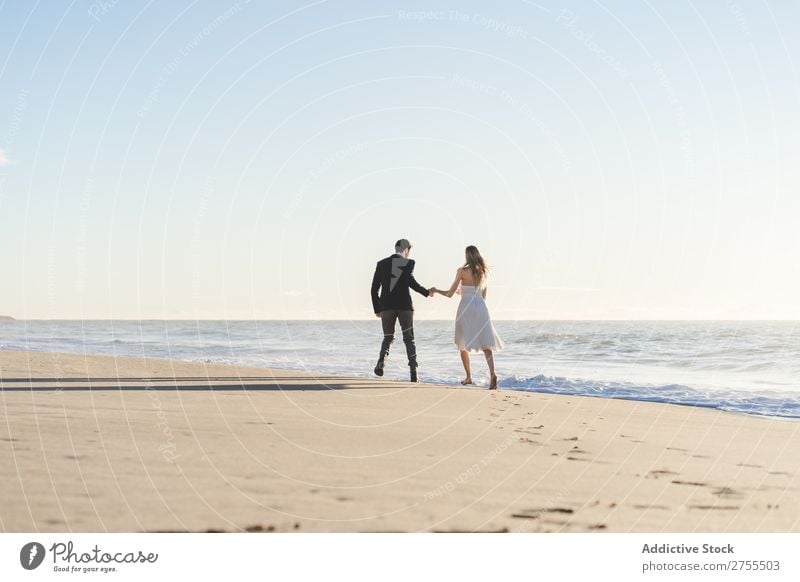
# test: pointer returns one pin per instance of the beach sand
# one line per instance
(126, 444)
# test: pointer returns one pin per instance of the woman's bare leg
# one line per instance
(465, 361)
(490, 361)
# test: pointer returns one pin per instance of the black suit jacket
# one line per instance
(394, 276)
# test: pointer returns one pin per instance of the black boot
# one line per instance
(414, 375)
(379, 367)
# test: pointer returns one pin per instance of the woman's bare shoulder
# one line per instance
(466, 275)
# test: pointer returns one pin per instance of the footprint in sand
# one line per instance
(527, 440)
(595, 461)
(536, 513)
(656, 473)
(726, 493)
(501, 530)
(718, 507)
(527, 431)
(259, 528)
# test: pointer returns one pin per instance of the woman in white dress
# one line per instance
(474, 329)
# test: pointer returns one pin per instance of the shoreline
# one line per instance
(366, 376)
(103, 443)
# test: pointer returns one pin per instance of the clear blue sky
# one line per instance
(615, 160)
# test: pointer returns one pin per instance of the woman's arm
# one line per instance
(453, 287)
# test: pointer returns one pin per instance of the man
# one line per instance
(394, 275)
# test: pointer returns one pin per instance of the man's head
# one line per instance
(402, 247)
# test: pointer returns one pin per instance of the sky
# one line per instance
(241, 160)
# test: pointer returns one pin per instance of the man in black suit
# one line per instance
(394, 275)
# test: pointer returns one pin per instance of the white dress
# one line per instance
(474, 329)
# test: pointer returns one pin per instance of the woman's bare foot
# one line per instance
(493, 385)
(467, 380)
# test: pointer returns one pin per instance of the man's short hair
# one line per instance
(402, 245)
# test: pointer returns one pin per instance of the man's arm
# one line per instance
(412, 282)
(376, 284)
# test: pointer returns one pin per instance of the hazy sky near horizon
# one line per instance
(613, 160)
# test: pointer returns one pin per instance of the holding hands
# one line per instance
(433, 290)
(455, 288)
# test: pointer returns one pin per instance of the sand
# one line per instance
(94, 443)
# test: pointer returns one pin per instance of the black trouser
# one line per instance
(388, 318)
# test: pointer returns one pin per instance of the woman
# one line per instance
(474, 329)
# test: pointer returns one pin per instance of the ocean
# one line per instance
(745, 367)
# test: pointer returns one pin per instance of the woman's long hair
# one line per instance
(476, 264)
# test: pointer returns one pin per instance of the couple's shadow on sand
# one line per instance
(281, 383)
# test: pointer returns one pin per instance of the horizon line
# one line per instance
(751, 320)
